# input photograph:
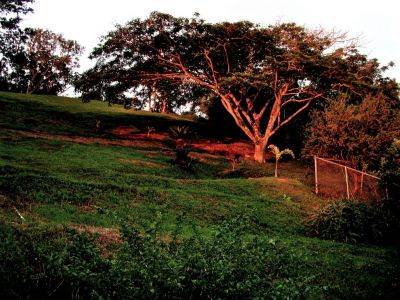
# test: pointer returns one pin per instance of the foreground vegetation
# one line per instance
(82, 217)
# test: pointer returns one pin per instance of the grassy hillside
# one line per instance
(87, 202)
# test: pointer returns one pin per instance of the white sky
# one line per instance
(377, 22)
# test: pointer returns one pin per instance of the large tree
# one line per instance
(264, 77)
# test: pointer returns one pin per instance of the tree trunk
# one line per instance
(154, 109)
(259, 152)
(164, 109)
(276, 168)
(29, 89)
(149, 109)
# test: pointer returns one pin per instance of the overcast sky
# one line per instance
(377, 22)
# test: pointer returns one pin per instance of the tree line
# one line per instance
(265, 79)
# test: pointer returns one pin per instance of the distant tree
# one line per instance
(100, 83)
(264, 77)
(50, 62)
(90, 85)
(359, 134)
(12, 38)
(33, 60)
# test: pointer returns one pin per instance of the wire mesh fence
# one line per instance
(339, 181)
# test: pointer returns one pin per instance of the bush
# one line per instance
(352, 221)
(359, 134)
(48, 263)
(390, 171)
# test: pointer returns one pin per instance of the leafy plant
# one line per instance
(357, 133)
(278, 155)
(98, 125)
(49, 262)
(390, 169)
(230, 264)
(181, 132)
(352, 221)
(234, 159)
(183, 160)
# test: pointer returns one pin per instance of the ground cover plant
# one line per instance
(88, 214)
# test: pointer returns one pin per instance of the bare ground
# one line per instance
(126, 137)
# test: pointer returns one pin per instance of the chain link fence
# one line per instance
(339, 181)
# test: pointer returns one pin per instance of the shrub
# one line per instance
(390, 170)
(360, 134)
(47, 263)
(352, 221)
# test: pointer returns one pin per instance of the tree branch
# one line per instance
(211, 66)
(295, 114)
(236, 116)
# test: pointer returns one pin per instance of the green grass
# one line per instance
(55, 182)
(70, 116)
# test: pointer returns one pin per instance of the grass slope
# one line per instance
(95, 187)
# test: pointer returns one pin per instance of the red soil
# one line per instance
(127, 136)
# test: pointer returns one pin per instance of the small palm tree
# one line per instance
(180, 132)
(278, 155)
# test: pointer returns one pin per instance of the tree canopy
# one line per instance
(264, 77)
(50, 60)
(11, 10)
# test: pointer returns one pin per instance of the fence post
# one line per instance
(316, 174)
(347, 183)
(362, 183)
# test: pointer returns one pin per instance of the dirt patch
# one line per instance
(142, 163)
(212, 201)
(242, 148)
(111, 234)
(11, 138)
(130, 132)
(139, 143)
(106, 238)
(142, 140)
(124, 130)
(151, 136)
(185, 181)
(87, 207)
